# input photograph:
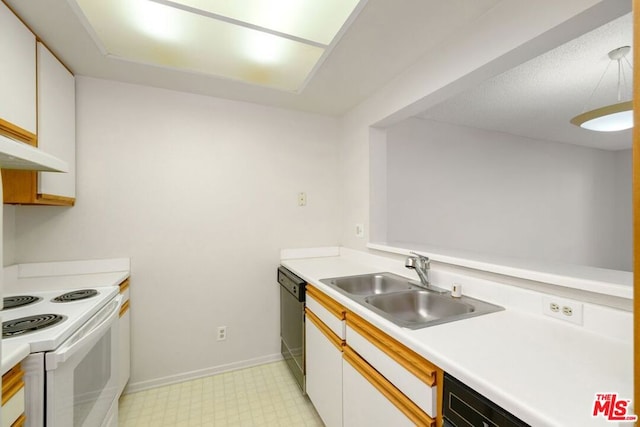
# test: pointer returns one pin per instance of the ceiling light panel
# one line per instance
(181, 37)
(312, 20)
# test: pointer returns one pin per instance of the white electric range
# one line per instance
(71, 372)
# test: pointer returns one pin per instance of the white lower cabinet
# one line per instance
(324, 374)
(13, 398)
(364, 405)
(124, 325)
(357, 375)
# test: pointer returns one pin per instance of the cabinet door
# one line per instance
(17, 77)
(56, 123)
(124, 361)
(323, 361)
(370, 400)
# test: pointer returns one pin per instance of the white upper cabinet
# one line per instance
(17, 77)
(56, 123)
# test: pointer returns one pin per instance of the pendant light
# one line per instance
(615, 117)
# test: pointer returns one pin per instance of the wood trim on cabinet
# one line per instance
(50, 199)
(326, 331)
(12, 383)
(124, 308)
(21, 188)
(407, 358)
(22, 419)
(124, 285)
(329, 303)
(636, 202)
(16, 132)
(395, 396)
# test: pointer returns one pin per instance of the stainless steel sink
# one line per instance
(370, 284)
(419, 306)
(405, 303)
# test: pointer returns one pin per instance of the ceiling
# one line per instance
(538, 98)
(385, 39)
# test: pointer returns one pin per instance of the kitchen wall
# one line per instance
(201, 193)
(507, 35)
(498, 194)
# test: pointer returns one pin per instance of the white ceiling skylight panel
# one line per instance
(274, 43)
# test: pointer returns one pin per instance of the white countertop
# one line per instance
(12, 354)
(598, 280)
(57, 276)
(543, 370)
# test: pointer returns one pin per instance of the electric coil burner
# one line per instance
(76, 295)
(24, 325)
(19, 301)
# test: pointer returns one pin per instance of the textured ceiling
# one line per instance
(385, 39)
(538, 98)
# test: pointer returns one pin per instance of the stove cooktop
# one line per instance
(25, 325)
(73, 311)
(76, 295)
(18, 301)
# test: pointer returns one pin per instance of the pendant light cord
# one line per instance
(586, 105)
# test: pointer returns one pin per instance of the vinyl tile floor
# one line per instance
(265, 395)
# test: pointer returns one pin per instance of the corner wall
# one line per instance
(201, 193)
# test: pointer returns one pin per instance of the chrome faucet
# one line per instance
(421, 265)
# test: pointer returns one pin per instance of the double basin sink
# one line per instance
(405, 303)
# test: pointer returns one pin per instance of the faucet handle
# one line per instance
(424, 261)
(410, 262)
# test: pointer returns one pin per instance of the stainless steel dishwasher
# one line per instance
(292, 292)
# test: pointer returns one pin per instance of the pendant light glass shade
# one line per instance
(607, 119)
(610, 118)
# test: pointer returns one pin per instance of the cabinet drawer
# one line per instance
(371, 399)
(12, 396)
(326, 309)
(415, 376)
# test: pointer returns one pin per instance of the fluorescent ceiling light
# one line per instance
(313, 20)
(277, 43)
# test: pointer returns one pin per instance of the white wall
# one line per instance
(623, 221)
(498, 194)
(201, 193)
(507, 35)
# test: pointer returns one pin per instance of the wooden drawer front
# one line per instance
(409, 412)
(124, 288)
(327, 310)
(124, 308)
(124, 291)
(415, 376)
(12, 396)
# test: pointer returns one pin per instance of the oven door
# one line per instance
(82, 374)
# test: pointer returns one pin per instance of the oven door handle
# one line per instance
(86, 336)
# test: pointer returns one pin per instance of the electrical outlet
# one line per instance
(302, 199)
(563, 309)
(222, 333)
(359, 230)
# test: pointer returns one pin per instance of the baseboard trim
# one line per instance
(187, 376)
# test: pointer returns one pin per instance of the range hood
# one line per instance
(18, 155)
